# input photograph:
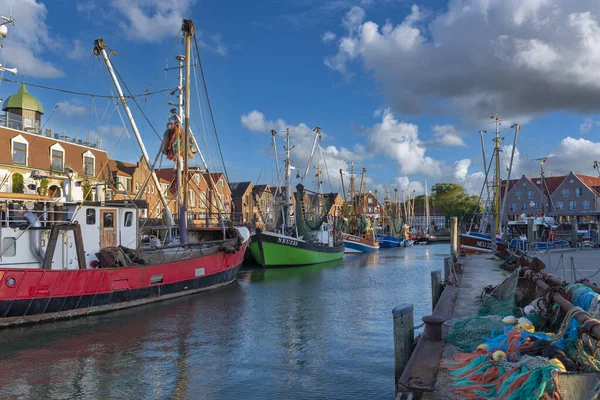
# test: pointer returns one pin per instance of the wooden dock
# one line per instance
(423, 377)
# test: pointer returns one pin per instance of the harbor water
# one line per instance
(317, 332)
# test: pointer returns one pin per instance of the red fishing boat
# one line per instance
(65, 258)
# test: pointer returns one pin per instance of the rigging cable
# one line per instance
(136, 103)
(104, 96)
(209, 107)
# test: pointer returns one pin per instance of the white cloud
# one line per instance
(522, 58)
(71, 110)
(573, 154)
(406, 186)
(152, 20)
(332, 157)
(397, 140)
(255, 122)
(328, 36)
(400, 141)
(29, 40)
(447, 135)
(78, 51)
(586, 125)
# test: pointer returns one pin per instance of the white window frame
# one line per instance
(93, 157)
(123, 181)
(191, 198)
(19, 139)
(57, 147)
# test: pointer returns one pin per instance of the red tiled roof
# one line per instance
(511, 184)
(592, 182)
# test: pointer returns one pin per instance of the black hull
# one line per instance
(30, 311)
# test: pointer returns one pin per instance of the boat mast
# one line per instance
(426, 209)
(352, 187)
(288, 184)
(397, 203)
(496, 117)
(273, 134)
(343, 188)
(319, 189)
(179, 142)
(100, 49)
(188, 31)
(517, 128)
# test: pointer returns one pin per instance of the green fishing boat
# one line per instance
(309, 237)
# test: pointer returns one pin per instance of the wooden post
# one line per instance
(574, 229)
(453, 238)
(493, 233)
(436, 288)
(447, 268)
(404, 336)
(530, 234)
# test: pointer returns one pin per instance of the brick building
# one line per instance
(43, 156)
(562, 197)
(243, 201)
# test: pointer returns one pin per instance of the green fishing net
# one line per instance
(468, 333)
(582, 353)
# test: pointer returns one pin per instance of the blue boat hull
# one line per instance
(387, 241)
(355, 244)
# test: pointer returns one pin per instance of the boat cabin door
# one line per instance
(108, 228)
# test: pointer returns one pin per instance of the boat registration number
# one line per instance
(484, 244)
(289, 242)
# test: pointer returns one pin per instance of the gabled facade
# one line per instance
(128, 181)
(369, 205)
(263, 203)
(243, 202)
(219, 195)
(573, 197)
(562, 197)
(524, 197)
(198, 195)
(59, 161)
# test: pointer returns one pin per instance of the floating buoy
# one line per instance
(499, 355)
(483, 346)
(524, 320)
(510, 320)
(558, 364)
(529, 310)
(526, 327)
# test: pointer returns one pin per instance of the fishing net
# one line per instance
(468, 333)
(475, 374)
(478, 375)
(502, 299)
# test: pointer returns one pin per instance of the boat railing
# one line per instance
(10, 218)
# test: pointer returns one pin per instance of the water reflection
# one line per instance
(315, 332)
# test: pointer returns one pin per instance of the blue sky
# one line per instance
(399, 87)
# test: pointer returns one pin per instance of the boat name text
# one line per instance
(287, 241)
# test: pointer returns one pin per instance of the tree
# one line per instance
(18, 185)
(453, 201)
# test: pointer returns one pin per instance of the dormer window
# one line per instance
(57, 157)
(20, 150)
(89, 162)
